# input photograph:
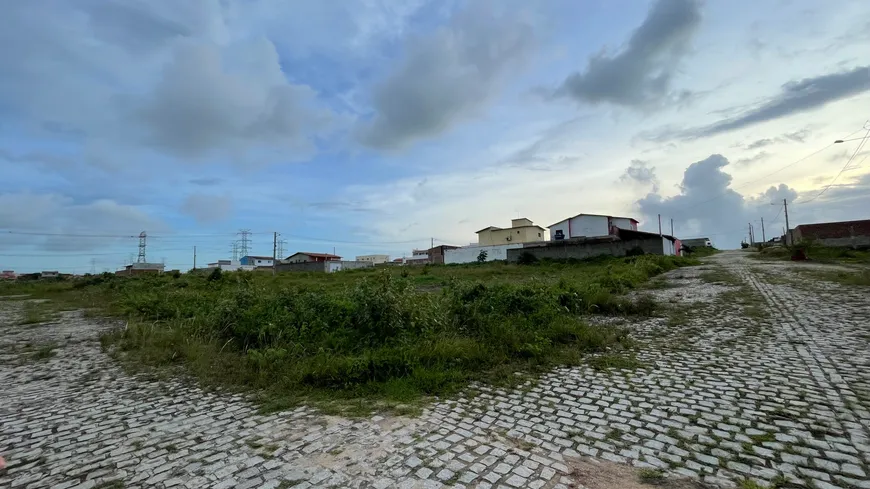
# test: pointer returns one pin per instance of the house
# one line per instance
(851, 234)
(257, 261)
(231, 266)
(623, 242)
(8, 275)
(697, 242)
(436, 254)
(418, 257)
(328, 266)
(141, 269)
(374, 259)
(308, 257)
(590, 226)
(49, 274)
(521, 231)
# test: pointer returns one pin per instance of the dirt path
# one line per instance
(765, 378)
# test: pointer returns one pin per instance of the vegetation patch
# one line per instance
(36, 312)
(861, 277)
(372, 338)
(651, 476)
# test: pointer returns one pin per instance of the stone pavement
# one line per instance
(773, 390)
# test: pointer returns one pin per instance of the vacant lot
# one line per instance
(749, 375)
(391, 335)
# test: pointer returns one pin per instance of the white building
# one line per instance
(230, 265)
(374, 259)
(590, 226)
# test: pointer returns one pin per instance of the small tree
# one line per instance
(481, 257)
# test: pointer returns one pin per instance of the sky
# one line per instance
(379, 126)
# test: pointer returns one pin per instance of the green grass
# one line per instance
(861, 277)
(361, 340)
(37, 312)
(720, 276)
(815, 252)
(651, 476)
(701, 252)
(44, 352)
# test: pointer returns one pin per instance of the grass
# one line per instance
(815, 252)
(720, 276)
(702, 251)
(842, 277)
(37, 312)
(651, 476)
(115, 484)
(44, 352)
(366, 339)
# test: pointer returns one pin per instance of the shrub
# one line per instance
(481, 257)
(527, 258)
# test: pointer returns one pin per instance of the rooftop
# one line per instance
(597, 215)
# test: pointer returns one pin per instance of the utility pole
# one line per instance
(660, 224)
(787, 227)
(274, 252)
(672, 227)
(751, 240)
(432, 243)
(763, 237)
(194, 257)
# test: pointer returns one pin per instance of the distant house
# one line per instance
(852, 234)
(231, 266)
(49, 274)
(8, 275)
(141, 269)
(374, 259)
(590, 226)
(328, 266)
(308, 257)
(697, 242)
(436, 254)
(522, 230)
(256, 261)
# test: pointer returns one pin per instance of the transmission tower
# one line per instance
(93, 266)
(142, 237)
(245, 242)
(235, 250)
(281, 243)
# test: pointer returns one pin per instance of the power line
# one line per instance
(849, 161)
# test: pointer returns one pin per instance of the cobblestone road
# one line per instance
(766, 380)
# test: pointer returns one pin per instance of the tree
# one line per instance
(481, 257)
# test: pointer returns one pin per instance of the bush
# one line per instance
(527, 258)
(373, 333)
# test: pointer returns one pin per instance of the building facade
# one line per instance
(141, 269)
(374, 259)
(590, 226)
(257, 261)
(436, 254)
(847, 234)
(521, 231)
(306, 257)
(624, 242)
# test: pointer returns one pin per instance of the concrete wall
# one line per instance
(588, 226)
(322, 266)
(857, 241)
(469, 254)
(308, 266)
(566, 249)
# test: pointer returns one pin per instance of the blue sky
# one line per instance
(374, 126)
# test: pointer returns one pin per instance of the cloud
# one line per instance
(796, 136)
(207, 208)
(208, 101)
(639, 171)
(795, 97)
(753, 159)
(640, 75)
(448, 76)
(58, 220)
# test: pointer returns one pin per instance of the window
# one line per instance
(518, 232)
(539, 235)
